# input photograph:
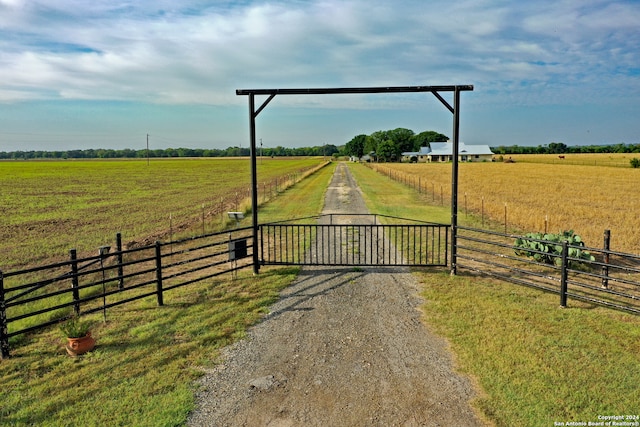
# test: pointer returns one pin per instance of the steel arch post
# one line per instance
(454, 180)
(254, 182)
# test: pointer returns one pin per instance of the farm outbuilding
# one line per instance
(443, 152)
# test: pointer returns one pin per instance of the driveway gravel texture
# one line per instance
(343, 346)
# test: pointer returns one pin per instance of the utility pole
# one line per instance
(147, 149)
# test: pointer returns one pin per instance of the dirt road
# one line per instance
(342, 347)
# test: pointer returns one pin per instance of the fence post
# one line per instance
(159, 273)
(605, 268)
(466, 211)
(505, 217)
(74, 281)
(4, 330)
(120, 261)
(563, 275)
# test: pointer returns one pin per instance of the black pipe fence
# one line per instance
(35, 298)
(607, 278)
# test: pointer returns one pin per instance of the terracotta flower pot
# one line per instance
(77, 346)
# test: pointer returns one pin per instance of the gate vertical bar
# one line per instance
(120, 260)
(605, 267)
(74, 281)
(564, 275)
(262, 257)
(454, 180)
(159, 273)
(4, 330)
(254, 181)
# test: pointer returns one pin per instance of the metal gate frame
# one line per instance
(435, 90)
(412, 243)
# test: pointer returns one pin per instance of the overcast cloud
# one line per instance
(580, 56)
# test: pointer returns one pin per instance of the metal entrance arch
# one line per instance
(435, 90)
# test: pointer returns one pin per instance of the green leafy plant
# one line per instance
(547, 248)
(75, 328)
(635, 163)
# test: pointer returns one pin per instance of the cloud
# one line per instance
(195, 52)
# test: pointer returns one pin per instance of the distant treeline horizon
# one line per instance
(561, 148)
(325, 150)
(127, 153)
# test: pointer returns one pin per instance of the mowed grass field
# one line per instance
(586, 199)
(50, 207)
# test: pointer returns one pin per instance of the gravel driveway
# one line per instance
(344, 346)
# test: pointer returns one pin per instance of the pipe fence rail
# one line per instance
(609, 278)
(35, 298)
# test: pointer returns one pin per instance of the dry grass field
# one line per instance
(621, 160)
(586, 199)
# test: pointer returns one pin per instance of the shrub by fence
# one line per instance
(35, 298)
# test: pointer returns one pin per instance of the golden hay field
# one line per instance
(586, 199)
(621, 160)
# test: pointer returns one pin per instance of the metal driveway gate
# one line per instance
(361, 243)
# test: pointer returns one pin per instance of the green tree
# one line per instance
(388, 151)
(373, 141)
(424, 139)
(402, 138)
(329, 150)
(557, 148)
(355, 147)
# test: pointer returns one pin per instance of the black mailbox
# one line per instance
(237, 249)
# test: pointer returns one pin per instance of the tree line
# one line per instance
(561, 148)
(323, 150)
(386, 144)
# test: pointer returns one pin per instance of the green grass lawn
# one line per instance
(387, 197)
(50, 207)
(535, 363)
(147, 358)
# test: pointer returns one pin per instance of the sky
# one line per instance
(77, 74)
